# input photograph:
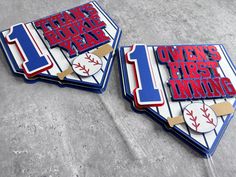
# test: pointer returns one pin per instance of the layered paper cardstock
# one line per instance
(73, 48)
(189, 89)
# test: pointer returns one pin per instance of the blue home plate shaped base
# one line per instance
(41, 49)
(173, 103)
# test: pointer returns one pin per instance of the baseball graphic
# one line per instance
(87, 64)
(200, 117)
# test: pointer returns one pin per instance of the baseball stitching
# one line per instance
(92, 60)
(193, 118)
(82, 68)
(207, 115)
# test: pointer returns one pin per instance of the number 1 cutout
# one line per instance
(34, 61)
(146, 93)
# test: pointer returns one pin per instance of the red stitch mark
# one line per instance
(92, 60)
(207, 115)
(193, 118)
(82, 68)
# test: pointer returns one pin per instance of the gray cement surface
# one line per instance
(48, 131)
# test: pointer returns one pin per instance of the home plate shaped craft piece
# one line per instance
(74, 47)
(190, 89)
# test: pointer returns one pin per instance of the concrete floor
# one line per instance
(47, 131)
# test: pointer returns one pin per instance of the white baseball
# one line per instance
(87, 64)
(200, 117)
